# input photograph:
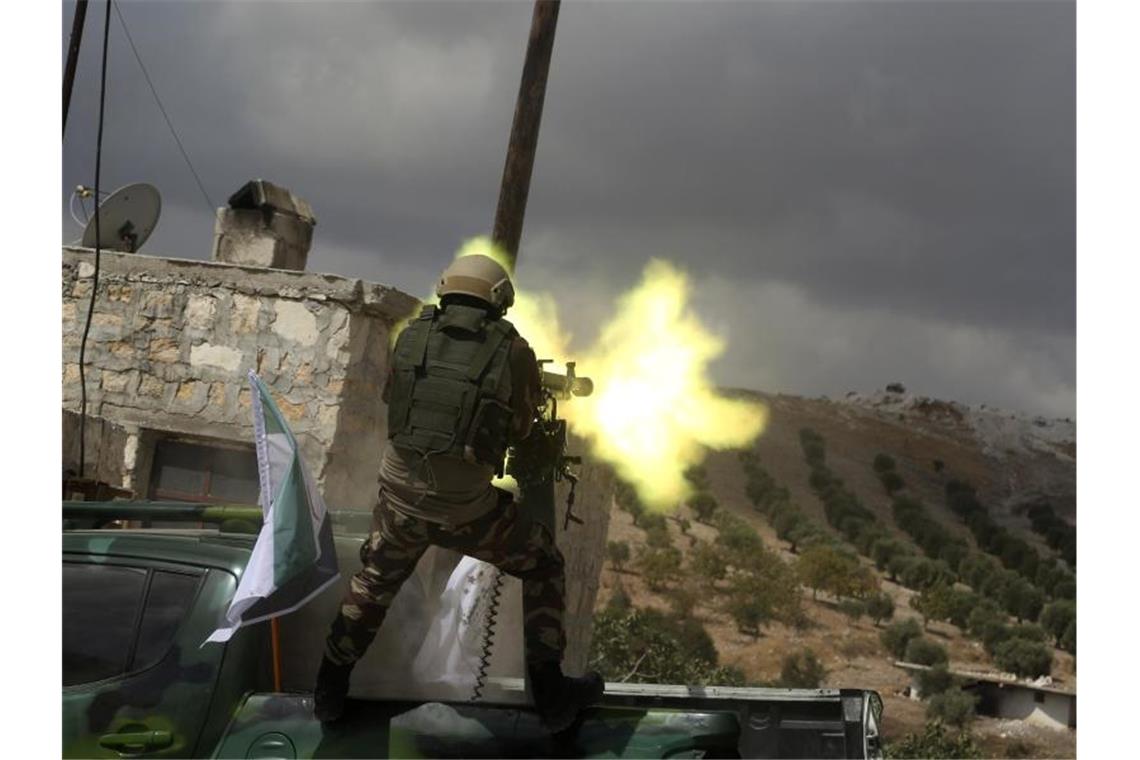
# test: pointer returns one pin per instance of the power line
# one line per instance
(158, 100)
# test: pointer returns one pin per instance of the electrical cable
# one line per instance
(158, 100)
(98, 248)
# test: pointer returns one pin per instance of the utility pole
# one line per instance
(73, 55)
(524, 130)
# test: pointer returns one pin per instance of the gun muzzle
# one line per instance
(564, 386)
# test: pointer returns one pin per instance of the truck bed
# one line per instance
(633, 720)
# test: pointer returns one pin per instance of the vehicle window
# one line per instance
(100, 611)
(167, 600)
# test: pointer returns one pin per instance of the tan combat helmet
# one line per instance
(479, 276)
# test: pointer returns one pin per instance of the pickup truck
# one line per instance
(138, 682)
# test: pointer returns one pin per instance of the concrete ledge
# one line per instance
(357, 295)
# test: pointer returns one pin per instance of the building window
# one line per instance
(198, 472)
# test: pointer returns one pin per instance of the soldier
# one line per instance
(463, 386)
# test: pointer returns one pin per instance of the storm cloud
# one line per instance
(861, 192)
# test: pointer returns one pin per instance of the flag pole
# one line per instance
(275, 638)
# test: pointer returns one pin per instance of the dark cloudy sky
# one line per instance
(862, 192)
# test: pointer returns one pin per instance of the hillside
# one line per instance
(1010, 460)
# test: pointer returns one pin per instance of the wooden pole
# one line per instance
(275, 637)
(524, 130)
(73, 60)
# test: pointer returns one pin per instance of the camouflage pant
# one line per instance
(512, 543)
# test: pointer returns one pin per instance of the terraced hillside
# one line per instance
(819, 508)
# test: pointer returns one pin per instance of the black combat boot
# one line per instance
(559, 699)
(331, 690)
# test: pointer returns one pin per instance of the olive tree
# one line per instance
(618, 553)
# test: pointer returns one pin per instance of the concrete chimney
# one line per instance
(264, 225)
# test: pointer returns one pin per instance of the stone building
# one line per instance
(172, 340)
(1006, 697)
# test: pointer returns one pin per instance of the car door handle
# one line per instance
(136, 742)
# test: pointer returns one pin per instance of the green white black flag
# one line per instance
(294, 558)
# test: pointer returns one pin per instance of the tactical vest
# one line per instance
(447, 394)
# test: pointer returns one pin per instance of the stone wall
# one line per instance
(171, 342)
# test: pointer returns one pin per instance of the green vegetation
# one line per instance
(773, 501)
(853, 609)
(658, 566)
(618, 553)
(708, 563)
(812, 444)
(758, 587)
(1069, 638)
(921, 574)
(748, 613)
(953, 707)
(704, 504)
(1014, 553)
(738, 539)
(650, 521)
(985, 615)
(1029, 632)
(619, 601)
(842, 508)
(1022, 599)
(935, 680)
(627, 500)
(883, 463)
(761, 488)
(1028, 659)
(697, 476)
(891, 481)
(802, 670)
(880, 607)
(1010, 584)
(947, 603)
(923, 651)
(682, 600)
(935, 540)
(764, 591)
(935, 742)
(897, 636)
(648, 646)
(658, 537)
(836, 572)
(1055, 579)
(1058, 534)
(1057, 617)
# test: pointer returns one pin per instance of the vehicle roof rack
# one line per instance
(230, 518)
(167, 511)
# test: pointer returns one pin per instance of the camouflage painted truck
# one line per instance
(138, 682)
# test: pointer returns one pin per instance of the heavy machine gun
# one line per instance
(540, 461)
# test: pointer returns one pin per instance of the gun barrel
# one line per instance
(567, 385)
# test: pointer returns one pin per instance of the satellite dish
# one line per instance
(126, 218)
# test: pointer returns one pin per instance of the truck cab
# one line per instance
(137, 606)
